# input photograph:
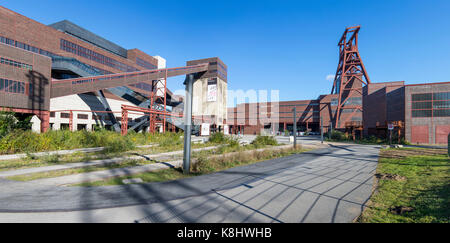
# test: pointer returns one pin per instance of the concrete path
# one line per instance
(10, 173)
(120, 172)
(106, 174)
(326, 185)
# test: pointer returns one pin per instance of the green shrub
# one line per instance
(218, 137)
(264, 140)
(18, 141)
(7, 123)
(338, 135)
(233, 142)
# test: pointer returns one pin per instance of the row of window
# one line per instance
(350, 101)
(11, 86)
(220, 65)
(94, 56)
(26, 47)
(15, 64)
(222, 75)
(350, 111)
(299, 105)
(431, 113)
(94, 117)
(430, 105)
(431, 96)
(145, 64)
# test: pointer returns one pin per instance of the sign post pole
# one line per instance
(295, 127)
(390, 128)
(321, 129)
(188, 124)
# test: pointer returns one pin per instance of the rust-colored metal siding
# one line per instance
(420, 134)
(442, 133)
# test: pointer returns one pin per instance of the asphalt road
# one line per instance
(326, 185)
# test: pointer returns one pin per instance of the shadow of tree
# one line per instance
(432, 204)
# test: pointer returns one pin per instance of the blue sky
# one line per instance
(285, 45)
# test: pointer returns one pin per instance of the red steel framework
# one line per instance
(152, 112)
(158, 96)
(350, 73)
(126, 110)
(158, 101)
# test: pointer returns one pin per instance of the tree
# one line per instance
(9, 122)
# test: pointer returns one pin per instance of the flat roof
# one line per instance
(87, 36)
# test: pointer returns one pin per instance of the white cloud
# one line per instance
(330, 77)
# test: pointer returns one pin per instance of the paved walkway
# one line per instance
(326, 185)
(10, 173)
(120, 172)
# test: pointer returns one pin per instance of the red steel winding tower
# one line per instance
(351, 77)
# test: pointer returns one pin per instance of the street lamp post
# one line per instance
(295, 127)
(321, 129)
(188, 123)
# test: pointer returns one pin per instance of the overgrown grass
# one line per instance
(206, 165)
(203, 165)
(155, 176)
(57, 173)
(48, 160)
(426, 189)
(19, 141)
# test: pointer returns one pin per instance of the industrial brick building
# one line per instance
(66, 76)
(418, 113)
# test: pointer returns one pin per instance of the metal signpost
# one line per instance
(330, 130)
(295, 127)
(390, 128)
(321, 129)
(188, 124)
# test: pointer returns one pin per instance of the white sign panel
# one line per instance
(212, 93)
(226, 130)
(205, 129)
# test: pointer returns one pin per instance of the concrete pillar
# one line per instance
(44, 116)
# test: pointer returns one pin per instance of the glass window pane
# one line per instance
(442, 113)
(421, 105)
(441, 96)
(441, 104)
(421, 113)
(421, 97)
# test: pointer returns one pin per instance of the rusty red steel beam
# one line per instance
(148, 111)
(89, 84)
(350, 69)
